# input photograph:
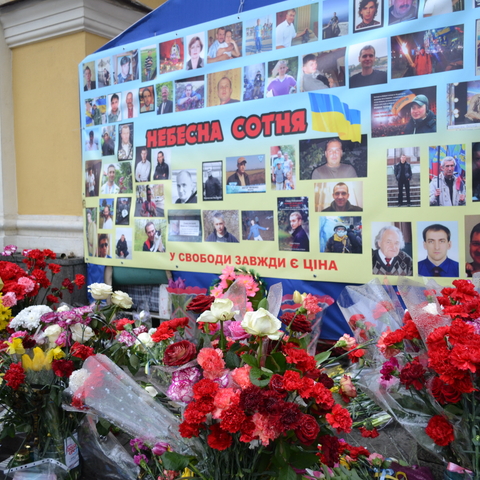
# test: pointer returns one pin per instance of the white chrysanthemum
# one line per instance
(431, 308)
(77, 379)
(29, 318)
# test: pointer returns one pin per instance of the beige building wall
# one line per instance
(47, 123)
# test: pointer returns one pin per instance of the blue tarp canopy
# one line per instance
(178, 14)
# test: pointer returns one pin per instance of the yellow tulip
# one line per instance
(40, 361)
(299, 297)
(16, 346)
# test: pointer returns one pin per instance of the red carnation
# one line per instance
(14, 376)
(54, 268)
(79, 280)
(52, 299)
(307, 429)
(232, 419)
(445, 393)
(200, 304)
(205, 388)
(329, 447)
(218, 439)
(413, 375)
(120, 324)
(81, 351)
(62, 368)
(179, 353)
(440, 430)
(189, 430)
(340, 419)
(366, 433)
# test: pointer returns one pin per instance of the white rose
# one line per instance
(262, 323)
(221, 309)
(52, 332)
(144, 339)
(122, 299)
(151, 390)
(81, 333)
(63, 308)
(100, 291)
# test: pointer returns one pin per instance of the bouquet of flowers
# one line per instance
(249, 400)
(43, 348)
(425, 372)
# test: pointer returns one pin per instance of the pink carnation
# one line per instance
(20, 333)
(211, 360)
(223, 399)
(386, 351)
(241, 376)
(311, 304)
(9, 300)
(27, 284)
(349, 340)
(264, 428)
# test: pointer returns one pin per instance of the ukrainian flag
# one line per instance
(101, 104)
(329, 114)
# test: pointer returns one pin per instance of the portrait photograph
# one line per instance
(184, 226)
(368, 63)
(104, 247)
(212, 173)
(253, 82)
(96, 110)
(93, 171)
(195, 51)
(126, 67)
(225, 43)
(116, 178)
(130, 104)
(330, 158)
(89, 82)
(148, 63)
(125, 141)
(150, 201)
(114, 108)
(108, 140)
(367, 14)
(340, 234)
(106, 212)
(150, 235)
(404, 112)
(123, 243)
(447, 175)
(91, 228)
(91, 140)
(402, 11)
(245, 174)
(322, 70)
(475, 173)
(429, 51)
(339, 196)
(392, 248)
(104, 72)
(293, 224)
(403, 177)
(472, 245)
(463, 105)
(172, 55)
(221, 226)
(296, 26)
(184, 186)
(283, 162)
(164, 92)
(146, 97)
(439, 7)
(258, 225)
(161, 161)
(143, 164)
(437, 249)
(190, 93)
(124, 205)
(282, 77)
(224, 87)
(88, 116)
(258, 35)
(334, 18)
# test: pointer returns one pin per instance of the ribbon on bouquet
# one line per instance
(388, 473)
(453, 467)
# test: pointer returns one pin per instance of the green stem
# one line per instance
(223, 341)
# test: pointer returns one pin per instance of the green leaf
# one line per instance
(103, 427)
(175, 461)
(263, 303)
(250, 360)
(276, 362)
(134, 361)
(232, 360)
(322, 357)
(303, 460)
(260, 377)
(287, 473)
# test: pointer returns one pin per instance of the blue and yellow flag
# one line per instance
(329, 114)
(101, 104)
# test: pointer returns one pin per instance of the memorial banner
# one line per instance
(333, 141)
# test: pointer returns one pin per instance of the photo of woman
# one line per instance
(195, 48)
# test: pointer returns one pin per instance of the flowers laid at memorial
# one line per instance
(243, 400)
(426, 365)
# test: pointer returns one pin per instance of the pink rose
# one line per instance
(347, 386)
(235, 330)
(9, 300)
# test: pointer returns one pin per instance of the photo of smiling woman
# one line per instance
(366, 11)
(195, 49)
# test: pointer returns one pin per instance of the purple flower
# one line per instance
(181, 392)
(49, 317)
(160, 448)
(138, 459)
(235, 330)
(141, 329)
(137, 444)
(126, 338)
(389, 369)
(190, 375)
